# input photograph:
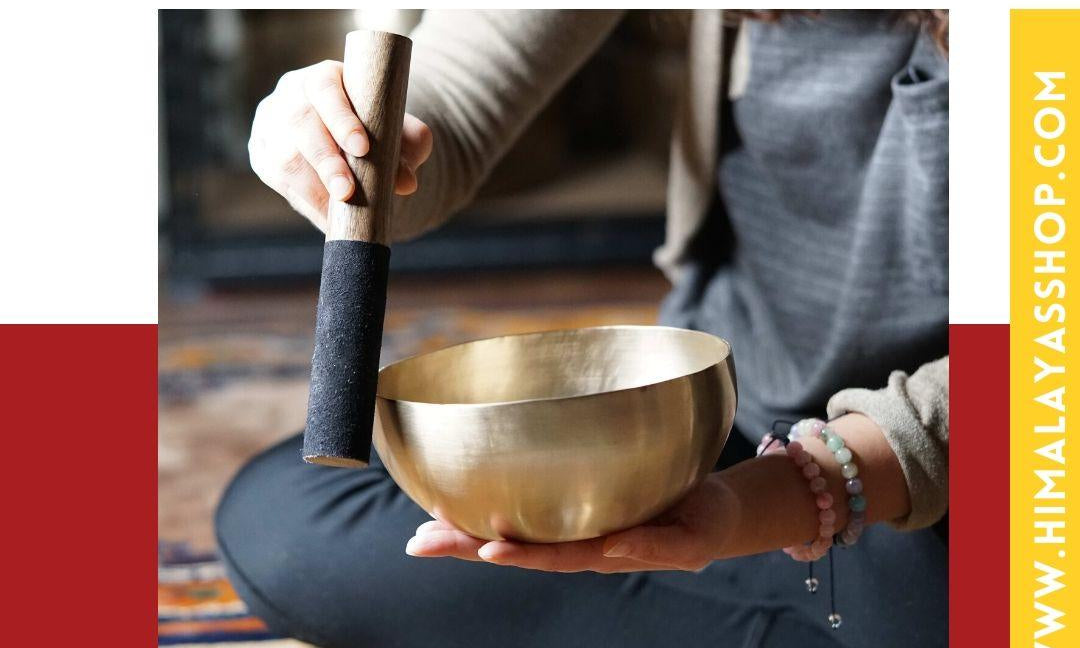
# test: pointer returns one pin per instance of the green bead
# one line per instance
(857, 503)
(849, 470)
(834, 443)
(843, 455)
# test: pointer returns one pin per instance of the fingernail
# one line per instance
(340, 187)
(426, 527)
(618, 550)
(414, 546)
(356, 144)
(487, 552)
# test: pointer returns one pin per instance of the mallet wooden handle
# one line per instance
(356, 260)
(376, 75)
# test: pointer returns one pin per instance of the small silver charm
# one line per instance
(811, 584)
(835, 620)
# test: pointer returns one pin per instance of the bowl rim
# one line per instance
(725, 357)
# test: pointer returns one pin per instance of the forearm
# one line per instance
(478, 79)
(773, 508)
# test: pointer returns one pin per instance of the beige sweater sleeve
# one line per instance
(477, 79)
(913, 411)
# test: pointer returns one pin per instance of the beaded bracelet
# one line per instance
(853, 485)
(804, 461)
(787, 443)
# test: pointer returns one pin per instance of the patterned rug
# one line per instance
(198, 607)
(233, 379)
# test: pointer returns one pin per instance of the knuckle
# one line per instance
(325, 78)
(326, 159)
(301, 115)
(344, 119)
(293, 164)
(261, 109)
(288, 79)
(646, 551)
(321, 200)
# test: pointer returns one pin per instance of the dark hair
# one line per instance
(934, 21)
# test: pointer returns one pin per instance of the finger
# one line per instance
(312, 204)
(308, 209)
(326, 92)
(434, 525)
(294, 179)
(444, 543)
(673, 545)
(416, 141)
(559, 557)
(322, 153)
(406, 182)
(563, 557)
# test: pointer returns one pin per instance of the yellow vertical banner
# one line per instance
(1045, 231)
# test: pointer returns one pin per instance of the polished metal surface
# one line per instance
(560, 435)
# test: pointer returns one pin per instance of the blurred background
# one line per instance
(560, 236)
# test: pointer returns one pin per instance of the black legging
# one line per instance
(319, 554)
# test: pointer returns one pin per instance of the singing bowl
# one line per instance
(559, 435)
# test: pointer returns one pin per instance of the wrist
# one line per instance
(879, 470)
(731, 504)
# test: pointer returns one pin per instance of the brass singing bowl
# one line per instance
(560, 435)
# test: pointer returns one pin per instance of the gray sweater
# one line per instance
(825, 259)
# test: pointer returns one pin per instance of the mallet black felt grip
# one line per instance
(345, 367)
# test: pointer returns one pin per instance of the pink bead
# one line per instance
(812, 471)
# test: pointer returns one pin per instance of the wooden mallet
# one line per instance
(356, 260)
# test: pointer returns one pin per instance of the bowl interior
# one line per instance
(551, 365)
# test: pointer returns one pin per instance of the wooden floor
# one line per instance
(233, 366)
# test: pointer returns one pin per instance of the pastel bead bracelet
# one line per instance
(811, 471)
(852, 484)
(804, 461)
